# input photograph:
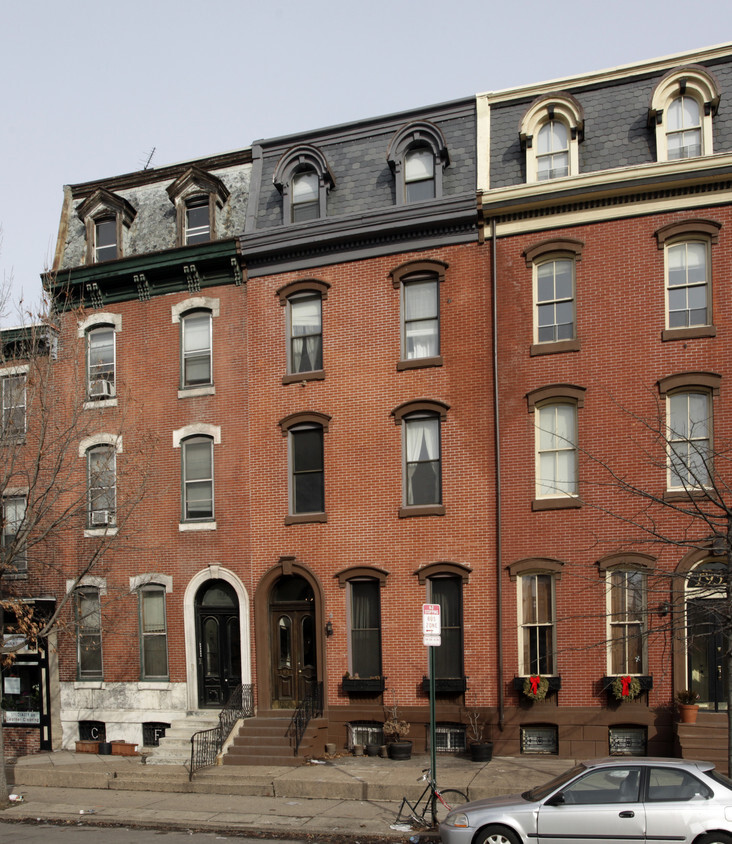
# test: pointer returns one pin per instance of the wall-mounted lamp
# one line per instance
(329, 628)
(664, 609)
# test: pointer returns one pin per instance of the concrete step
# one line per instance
(175, 746)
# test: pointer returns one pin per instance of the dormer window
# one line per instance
(196, 196)
(106, 216)
(681, 111)
(550, 132)
(417, 156)
(303, 177)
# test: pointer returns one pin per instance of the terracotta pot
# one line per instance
(688, 712)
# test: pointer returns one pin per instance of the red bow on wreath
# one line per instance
(535, 684)
(626, 681)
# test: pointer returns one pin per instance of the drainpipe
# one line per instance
(497, 450)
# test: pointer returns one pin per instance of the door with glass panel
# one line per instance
(292, 642)
(217, 643)
(705, 623)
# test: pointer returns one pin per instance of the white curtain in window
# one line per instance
(423, 437)
(419, 164)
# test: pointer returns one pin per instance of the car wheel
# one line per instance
(498, 835)
(714, 838)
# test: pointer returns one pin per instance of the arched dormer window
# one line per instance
(417, 156)
(304, 178)
(550, 132)
(196, 196)
(105, 216)
(681, 109)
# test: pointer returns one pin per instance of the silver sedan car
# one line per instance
(607, 800)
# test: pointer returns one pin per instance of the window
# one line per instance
(306, 333)
(687, 284)
(14, 556)
(605, 785)
(550, 132)
(153, 633)
(196, 349)
(101, 362)
(13, 399)
(303, 177)
(689, 439)
(198, 489)
(198, 220)
(537, 646)
(105, 239)
(552, 151)
(447, 591)
(102, 486)
(682, 106)
(89, 633)
(422, 460)
(418, 156)
(419, 174)
(196, 195)
(106, 216)
(626, 599)
(365, 628)
(419, 285)
(307, 490)
(305, 196)
(556, 450)
(555, 301)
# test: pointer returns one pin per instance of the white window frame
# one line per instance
(566, 487)
(11, 403)
(558, 107)
(526, 627)
(623, 624)
(196, 234)
(101, 384)
(676, 245)
(699, 442)
(556, 301)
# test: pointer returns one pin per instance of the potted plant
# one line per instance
(395, 729)
(480, 751)
(687, 703)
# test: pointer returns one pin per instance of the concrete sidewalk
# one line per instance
(347, 796)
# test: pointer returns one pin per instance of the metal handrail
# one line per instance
(206, 744)
(310, 707)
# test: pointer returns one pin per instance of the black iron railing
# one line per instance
(206, 744)
(310, 707)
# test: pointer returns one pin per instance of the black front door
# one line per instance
(292, 642)
(218, 643)
(706, 642)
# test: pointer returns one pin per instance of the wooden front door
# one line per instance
(217, 643)
(292, 642)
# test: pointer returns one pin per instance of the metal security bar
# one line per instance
(310, 707)
(206, 744)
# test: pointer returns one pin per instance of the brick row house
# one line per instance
(418, 358)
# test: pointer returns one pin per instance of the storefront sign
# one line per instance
(22, 717)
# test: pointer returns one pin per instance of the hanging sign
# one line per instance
(431, 625)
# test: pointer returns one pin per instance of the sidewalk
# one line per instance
(347, 796)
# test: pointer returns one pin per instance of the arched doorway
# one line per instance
(706, 632)
(218, 646)
(293, 646)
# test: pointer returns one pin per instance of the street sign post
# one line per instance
(432, 638)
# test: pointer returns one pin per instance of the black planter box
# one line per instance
(446, 685)
(555, 683)
(646, 682)
(367, 685)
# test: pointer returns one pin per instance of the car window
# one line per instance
(541, 791)
(673, 784)
(719, 778)
(605, 785)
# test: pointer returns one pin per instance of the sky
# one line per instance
(93, 88)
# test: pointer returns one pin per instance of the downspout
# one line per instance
(497, 450)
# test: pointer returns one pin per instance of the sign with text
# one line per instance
(431, 629)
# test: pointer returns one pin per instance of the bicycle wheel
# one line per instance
(447, 800)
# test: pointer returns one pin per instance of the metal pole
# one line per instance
(433, 748)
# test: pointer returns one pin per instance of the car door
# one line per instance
(677, 805)
(602, 805)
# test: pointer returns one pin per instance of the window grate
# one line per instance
(364, 733)
(449, 738)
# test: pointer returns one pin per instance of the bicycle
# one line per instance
(432, 806)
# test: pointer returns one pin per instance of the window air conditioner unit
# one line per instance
(102, 388)
(102, 517)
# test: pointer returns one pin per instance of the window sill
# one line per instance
(305, 518)
(183, 527)
(192, 392)
(90, 404)
(90, 684)
(298, 377)
(552, 348)
(425, 510)
(107, 531)
(419, 363)
(684, 494)
(689, 333)
(566, 503)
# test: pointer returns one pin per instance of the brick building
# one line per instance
(389, 363)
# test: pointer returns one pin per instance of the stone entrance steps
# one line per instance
(265, 740)
(707, 739)
(175, 746)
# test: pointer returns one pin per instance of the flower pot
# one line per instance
(400, 750)
(330, 749)
(123, 748)
(481, 751)
(372, 749)
(688, 712)
(86, 746)
(358, 750)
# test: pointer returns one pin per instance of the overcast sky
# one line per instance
(92, 87)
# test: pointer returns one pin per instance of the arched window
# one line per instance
(101, 486)
(303, 177)
(304, 432)
(197, 479)
(418, 155)
(196, 195)
(196, 341)
(550, 132)
(552, 151)
(105, 216)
